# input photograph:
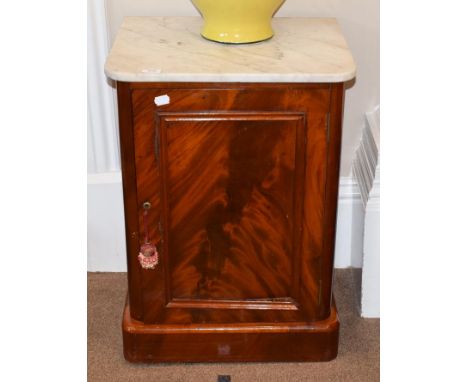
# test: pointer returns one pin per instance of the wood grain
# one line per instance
(231, 204)
(233, 215)
(131, 208)
(242, 181)
(271, 342)
(331, 197)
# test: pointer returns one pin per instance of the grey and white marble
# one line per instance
(171, 49)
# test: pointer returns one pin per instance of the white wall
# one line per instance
(106, 235)
(359, 20)
(103, 146)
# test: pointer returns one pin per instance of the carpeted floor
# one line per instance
(358, 355)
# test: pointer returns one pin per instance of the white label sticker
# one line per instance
(162, 100)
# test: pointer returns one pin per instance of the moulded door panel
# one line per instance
(236, 180)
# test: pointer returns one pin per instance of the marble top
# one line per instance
(172, 49)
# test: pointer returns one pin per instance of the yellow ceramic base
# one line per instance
(237, 21)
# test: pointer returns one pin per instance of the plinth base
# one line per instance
(272, 342)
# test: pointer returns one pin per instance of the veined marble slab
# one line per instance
(156, 49)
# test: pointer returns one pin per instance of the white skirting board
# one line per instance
(106, 228)
(106, 225)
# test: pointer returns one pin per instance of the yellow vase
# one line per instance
(237, 21)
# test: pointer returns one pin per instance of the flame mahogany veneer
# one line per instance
(243, 180)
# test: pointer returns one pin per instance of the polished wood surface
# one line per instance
(273, 342)
(131, 208)
(242, 181)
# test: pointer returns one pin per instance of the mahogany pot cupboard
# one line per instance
(234, 185)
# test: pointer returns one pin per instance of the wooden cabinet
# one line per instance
(242, 181)
(230, 164)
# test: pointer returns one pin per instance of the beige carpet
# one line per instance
(358, 355)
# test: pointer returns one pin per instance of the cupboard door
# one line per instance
(236, 182)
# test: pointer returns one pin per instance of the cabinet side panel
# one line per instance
(312, 254)
(312, 225)
(149, 185)
(130, 197)
(331, 192)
